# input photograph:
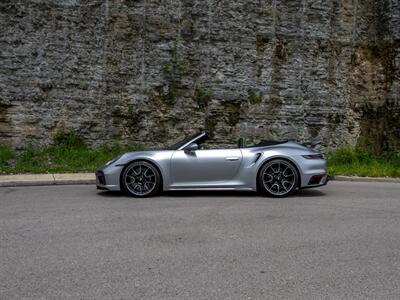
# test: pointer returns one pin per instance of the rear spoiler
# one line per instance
(314, 145)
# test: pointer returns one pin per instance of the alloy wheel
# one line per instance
(279, 178)
(140, 179)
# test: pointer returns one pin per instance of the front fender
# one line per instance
(161, 159)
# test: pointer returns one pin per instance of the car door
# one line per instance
(216, 167)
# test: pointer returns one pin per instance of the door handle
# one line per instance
(232, 158)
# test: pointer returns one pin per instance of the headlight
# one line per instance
(314, 156)
(113, 160)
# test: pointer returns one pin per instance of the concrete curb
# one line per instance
(366, 179)
(46, 179)
(89, 178)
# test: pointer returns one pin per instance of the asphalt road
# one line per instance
(338, 242)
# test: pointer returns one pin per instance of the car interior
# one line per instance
(205, 143)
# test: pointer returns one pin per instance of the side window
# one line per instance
(214, 145)
(206, 146)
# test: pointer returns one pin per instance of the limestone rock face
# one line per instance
(154, 70)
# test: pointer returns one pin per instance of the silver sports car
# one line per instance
(275, 168)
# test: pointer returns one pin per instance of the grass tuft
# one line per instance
(68, 156)
(361, 162)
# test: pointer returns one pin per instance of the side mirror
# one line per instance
(191, 147)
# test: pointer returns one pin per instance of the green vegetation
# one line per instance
(202, 96)
(68, 154)
(261, 42)
(233, 112)
(174, 71)
(210, 123)
(279, 52)
(133, 117)
(255, 96)
(361, 162)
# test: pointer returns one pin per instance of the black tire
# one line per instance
(141, 179)
(278, 178)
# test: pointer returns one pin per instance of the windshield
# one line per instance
(182, 142)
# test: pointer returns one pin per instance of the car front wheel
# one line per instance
(141, 179)
(278, 178)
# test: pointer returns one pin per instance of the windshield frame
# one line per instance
(187, 141)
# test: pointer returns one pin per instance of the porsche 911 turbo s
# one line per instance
(274, 168)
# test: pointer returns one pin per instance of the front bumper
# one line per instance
(107, 178)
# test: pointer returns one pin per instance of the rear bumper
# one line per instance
(312, 183)
(313, 172)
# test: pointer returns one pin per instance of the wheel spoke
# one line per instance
(289, 174)
(270, 178)
(148, 184)
(134, 172)
(275, 185)
(148, 175)
(283, 184)
(284, 171)
(132, 177)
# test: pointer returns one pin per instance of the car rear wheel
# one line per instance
(141, 179)
(278, 178)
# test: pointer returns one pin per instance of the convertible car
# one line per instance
(274, 168)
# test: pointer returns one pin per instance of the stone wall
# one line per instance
(154, 70)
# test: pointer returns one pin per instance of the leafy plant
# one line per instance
(362, 162)
(69, 153)
(255, 96)
(202, 96)
(174, 71)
